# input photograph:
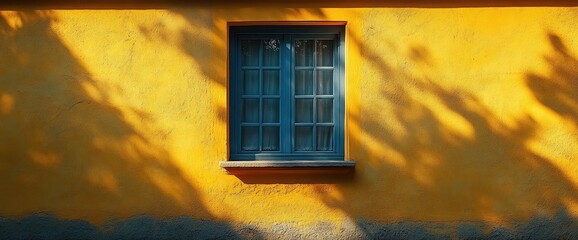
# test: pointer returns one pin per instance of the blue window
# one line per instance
(286, 92)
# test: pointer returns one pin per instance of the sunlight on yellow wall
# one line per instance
(452, 114)
(12, 19)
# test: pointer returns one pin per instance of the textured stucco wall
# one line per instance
(463, 122)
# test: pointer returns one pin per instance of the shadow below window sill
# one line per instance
(299, 172)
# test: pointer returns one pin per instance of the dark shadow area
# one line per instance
(47, 227)
(276, 177)
(559, 90)
(145, 227)
(560, 226)
(65, 152)
(42, 226)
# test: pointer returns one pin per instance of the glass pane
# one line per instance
(251, 82)
(304, 52)
(270, 138)
(249, 52)
(270, 82)
(304, 110)
(324, 52)
(250, 138)
(271, 110)
(250, 110)
(324, 110)
(325, 82)
(271, 52)
(324, 138)
(304, 82)
(304, 139)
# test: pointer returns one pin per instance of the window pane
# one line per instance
(271, 52)
(249, 52)
(304, 110)
(304, 139)
(270, 82)
(250, 110)
(271, 110)
(251, 82)
(325, 110)
(324, 52)
(250, 138)
(325, 82)
(270, 138)
(304, 52)
(304, 82)
(324, 138)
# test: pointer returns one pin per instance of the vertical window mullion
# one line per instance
(237, 95)
(314, 134)
(260, 91)
(335, 95)
(286, 95)
(338, 96)
(291, 98)
(339, 103)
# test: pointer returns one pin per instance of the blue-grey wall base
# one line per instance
(42, 226)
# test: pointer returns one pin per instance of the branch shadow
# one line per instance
(444, 158)
(68, 151)
(558, 91)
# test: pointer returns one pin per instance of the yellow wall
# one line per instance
(453, 114)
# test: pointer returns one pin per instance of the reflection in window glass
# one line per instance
(304, 82)
(324, 51)
(251, 82)
(271, 110)
(304, 110)
(270, 138)
(250, 108)
(249, 52)
(304, 52)
(270, 82)
(271, 52)
(250, 139)
(324, 138)
(303, 138)
(324, 82)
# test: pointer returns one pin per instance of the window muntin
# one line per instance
(286, 93)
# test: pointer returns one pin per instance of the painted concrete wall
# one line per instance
(463, 122)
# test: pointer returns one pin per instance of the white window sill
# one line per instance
(275, 167)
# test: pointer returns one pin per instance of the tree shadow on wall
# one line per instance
(70, 151)
(66, 149)
(558, 91)
(205, 41)
(445, 159)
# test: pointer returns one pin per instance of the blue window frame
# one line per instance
(286, 92)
